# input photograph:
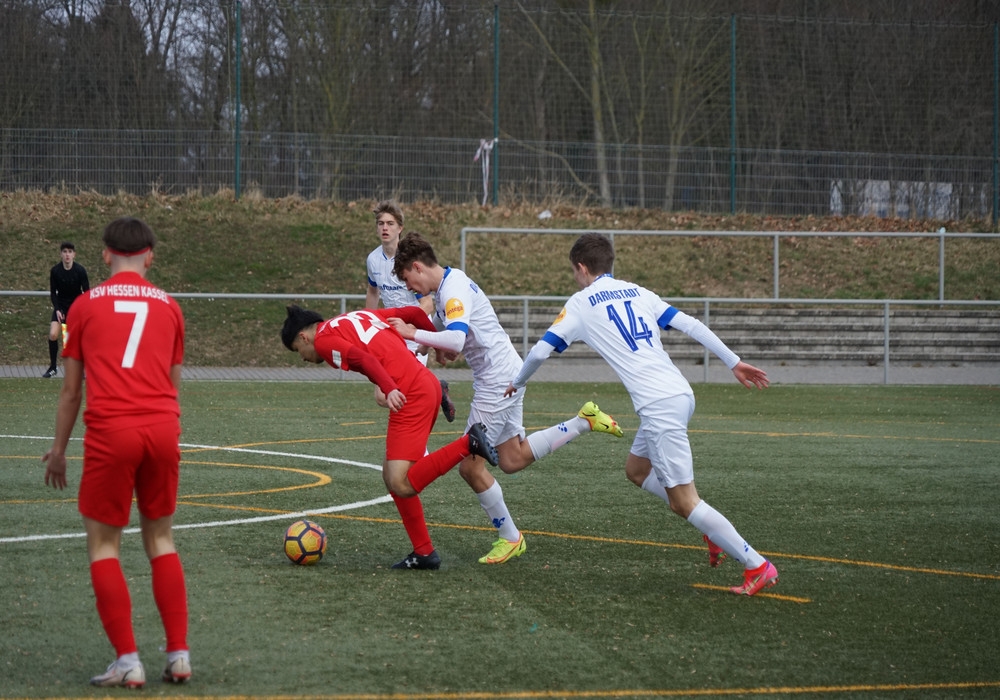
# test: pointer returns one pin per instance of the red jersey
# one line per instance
(350, 341)
(128, 333)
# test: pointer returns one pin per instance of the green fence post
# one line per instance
(732, 114)
(996, 121)
(496, 99)
(239, 98)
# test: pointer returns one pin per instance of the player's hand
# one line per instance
(396, 400)
(443, 357)
(423, 349)
(60, 317)
(511, 390)
(55, 470)
(750, 377)
(380, 398)
(407, 330)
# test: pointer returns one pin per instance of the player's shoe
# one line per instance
(716, 554)
(754, 580)
(177, 671)
(447, 407)
(504, 550)
(480, 445)
(600, 422)
(419, 561)
(118, 676)
(50, 372)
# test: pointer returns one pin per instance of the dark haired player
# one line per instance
(67, 280)
(363, 342)
(127, 336)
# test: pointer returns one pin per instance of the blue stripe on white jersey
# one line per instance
(664, 320)
(461, 305)
(555, 341)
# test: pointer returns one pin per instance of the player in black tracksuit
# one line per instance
(67, 280)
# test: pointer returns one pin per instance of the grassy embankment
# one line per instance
(255, 246)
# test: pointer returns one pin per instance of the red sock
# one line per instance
(170, 595)
(412, 512)
(114, 605)
(437, 463)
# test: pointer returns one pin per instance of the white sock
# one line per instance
(653, 485)
(128, 660)
(551, 439)
(492, 502)
(172, 656)
(714, 524)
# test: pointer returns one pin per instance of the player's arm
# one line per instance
(85, 282)
(452, 339)
(536, 356)
(371, 296)
(747, 375)
(427, 304)
(70, 398)
(365, 363)
(414, 316)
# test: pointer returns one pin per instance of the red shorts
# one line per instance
(143, 460)
(406, 437)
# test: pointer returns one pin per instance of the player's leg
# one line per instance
(156, 494)
(405, 443)
(438, 463)
(104, 501)
(664, 427)
(114, 605)
(170, 595)
(515, 455)
(55, 329)
(501, 426)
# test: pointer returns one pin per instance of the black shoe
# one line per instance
(447, 407)
(417, 561)
(480, 445)
(50, 372)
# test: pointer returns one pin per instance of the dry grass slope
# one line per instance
(256, 245)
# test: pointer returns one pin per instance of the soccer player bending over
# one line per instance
(363, 342)
(621, 321)
(464, 321)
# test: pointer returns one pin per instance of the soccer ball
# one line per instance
(305, 542)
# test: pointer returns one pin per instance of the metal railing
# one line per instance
(776, 236)
(706, 303)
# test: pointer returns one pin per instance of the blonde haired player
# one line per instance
(384, 286)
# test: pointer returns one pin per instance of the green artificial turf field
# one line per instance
(878, 505)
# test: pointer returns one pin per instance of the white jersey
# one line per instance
(390, 289)
(460, 305)
(622, 321)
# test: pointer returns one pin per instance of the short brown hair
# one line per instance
(595, 251)
(412, 248)
(128, 235)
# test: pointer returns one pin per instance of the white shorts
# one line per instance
(503, 418)
(662, 439)
(413, 348)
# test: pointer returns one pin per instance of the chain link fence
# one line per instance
(674, 105)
